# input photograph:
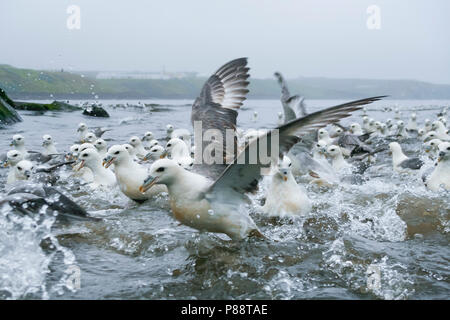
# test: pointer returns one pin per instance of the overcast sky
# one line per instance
(297, 37)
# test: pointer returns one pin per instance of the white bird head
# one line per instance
(163, 171)
(169, 128)
(135, 141)
(90, 137)
(432, 145)
(100, 144)
(89, 157)
(284, 167)
(444, 151)
(155, 153)
(116, 154)
(23, 170)
(323, 134)
(13, 157)
(333, 151)
(82, 127)
(148, 136)
(47, 140)
(17, 140)
(85, 146)
(355, 127)
(130, 149)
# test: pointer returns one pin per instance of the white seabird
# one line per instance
(18, 142)
(49, 146)
(441, 174)
(337, 159)
(400, 161)
(22, 171)
(432, 147)
(139, 149)
(284, 196)
(440, 130)
(355, 128)
(148, 136)
(13, 157)
(102, 177)
(412, 124)
(179, 152)
(129, 174)
(102, 147)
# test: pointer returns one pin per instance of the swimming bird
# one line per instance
(102, 147)
(90, 137)
(400, 161)
(185, 135)
(169, 130)
(49, 147)
(130, 175)
(148, 136)
(355, 128)
(18, 142)
(102, 177)
(337, 159)
(412, 124)
(322, 134)
(441, 131)
(13, 157)
(432, 147)
(441, 174)
(284, 196)
(155, 153)
(139, 149)
(22, 171)
(179, 152)
(401, 130)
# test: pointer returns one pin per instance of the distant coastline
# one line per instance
(28, 84)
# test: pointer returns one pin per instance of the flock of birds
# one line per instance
(209, 195)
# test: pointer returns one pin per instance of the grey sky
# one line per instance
(297, 37)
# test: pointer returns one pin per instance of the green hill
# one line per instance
(35, 84)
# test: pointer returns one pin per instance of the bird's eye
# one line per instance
(117, 152)
(154, 150)
(160, 169)
(290, 164)
(191, 164)
(15, 155)
(84, 155)
(169, 145)
(448, 148)
(19, 138)
(318, 145)
(20, 168)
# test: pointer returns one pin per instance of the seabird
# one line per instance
(284, 196)
(179, 152)
(139, 149)
(441, 174)
(400, 161)
(102, 177)
(129, 174)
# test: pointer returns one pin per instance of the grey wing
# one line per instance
(243, 174)
(412, 163)
(216, 108)
(289, 107)
(99, 131)
(284, 88)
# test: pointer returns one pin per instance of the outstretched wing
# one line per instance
(243, 174)
(216, 108)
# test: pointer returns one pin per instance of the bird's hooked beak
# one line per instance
(163, 155)
(108, 161)
(81, 165)
(441, 155)
(147, 157)
(13, 143)
(148, 183)
(27, 174)
(6, 164)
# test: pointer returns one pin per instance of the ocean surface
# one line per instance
(385, 238)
